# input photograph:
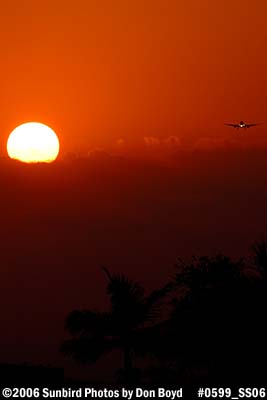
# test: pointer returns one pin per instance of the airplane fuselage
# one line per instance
(241, 125)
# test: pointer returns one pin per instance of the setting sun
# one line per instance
(33, 142)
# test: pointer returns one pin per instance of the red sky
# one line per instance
(98, 71)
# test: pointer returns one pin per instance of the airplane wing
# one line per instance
(233, 125)
(249, 125)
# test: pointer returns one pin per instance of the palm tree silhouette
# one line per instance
(123, 326)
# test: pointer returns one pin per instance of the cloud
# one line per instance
(149, 146)
(208, 143)
(169, 142)
(98, 152)
(120, 142)
(172, 142)
(151, 141)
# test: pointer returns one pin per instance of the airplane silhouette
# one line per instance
(241, 125)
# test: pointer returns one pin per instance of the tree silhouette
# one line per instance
(218, 318)
(123, 326)
(211, 328)
(260, 257)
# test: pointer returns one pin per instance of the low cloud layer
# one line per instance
(170, 142)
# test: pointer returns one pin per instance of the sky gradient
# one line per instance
(97, 71)
(117, 79)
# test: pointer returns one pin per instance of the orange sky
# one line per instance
(97, 71)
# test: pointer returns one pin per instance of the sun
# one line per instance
(33, 142)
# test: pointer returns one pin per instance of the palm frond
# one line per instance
(129, 305)
(205, 271)
(122, 289)
(154, 302)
